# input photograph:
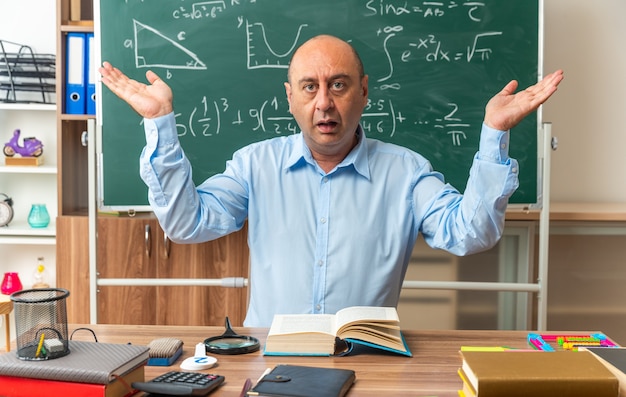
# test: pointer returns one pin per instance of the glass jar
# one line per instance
(39, 275)
(38, 216)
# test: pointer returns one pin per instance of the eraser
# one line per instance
(53, 345)
(164, 351)
(165, 361)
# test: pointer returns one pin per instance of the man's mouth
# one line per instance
(327, 126)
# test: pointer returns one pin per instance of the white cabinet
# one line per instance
(20, 245)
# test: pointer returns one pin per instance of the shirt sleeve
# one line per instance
(494, 145)
(186, 214)
(473, 221)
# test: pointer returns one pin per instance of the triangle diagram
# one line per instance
(153, 49)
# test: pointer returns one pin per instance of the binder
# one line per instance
(90, 74)
(75, 91)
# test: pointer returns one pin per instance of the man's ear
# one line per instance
(288, 93)
(364, 89)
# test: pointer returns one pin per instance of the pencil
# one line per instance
(40, 344)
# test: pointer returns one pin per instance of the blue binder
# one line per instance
(90, 74)
(75, 91)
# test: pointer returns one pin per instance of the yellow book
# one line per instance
(537, 374)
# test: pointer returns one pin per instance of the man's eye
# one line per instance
(309, 87)
(338, 85)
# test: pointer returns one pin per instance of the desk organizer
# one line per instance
(41, 323)
(26, 77)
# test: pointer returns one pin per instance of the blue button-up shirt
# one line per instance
(322, 241)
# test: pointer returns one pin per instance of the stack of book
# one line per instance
(615, 361)
(91, 369)
(535, 374)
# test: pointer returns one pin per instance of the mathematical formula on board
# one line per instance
(215, 113)
(210, 118)
(426, 9)
(432, 67)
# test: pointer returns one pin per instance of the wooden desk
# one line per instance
(432, 371)
(562, 211)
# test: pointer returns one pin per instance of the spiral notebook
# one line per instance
(87, 362)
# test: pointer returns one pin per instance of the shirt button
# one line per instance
(323, 220)
(514, 170)
(503, 146)
(320, 263)
(318, 307)
(325, 179)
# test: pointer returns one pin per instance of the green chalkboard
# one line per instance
(432, 67)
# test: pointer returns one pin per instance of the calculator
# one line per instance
(178, 383)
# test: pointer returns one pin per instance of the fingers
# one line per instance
(508, 108)
(111, 76)
(120, 84)
(551, 81)
(541, 91)
(151, 76)
(510, 88)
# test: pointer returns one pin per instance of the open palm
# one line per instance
(149, 101)
(507, 108)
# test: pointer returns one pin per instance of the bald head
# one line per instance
(321, 44)
(327, 92)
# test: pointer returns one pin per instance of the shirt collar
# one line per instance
(357, 158)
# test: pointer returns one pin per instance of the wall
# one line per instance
(586, 39)
(586, 278)
(31, 22)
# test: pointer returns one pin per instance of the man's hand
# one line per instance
(150, 101)
(506, 109)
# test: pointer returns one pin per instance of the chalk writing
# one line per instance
(425, 9)
(205, 9)
(271, 116)
(260, 53)
(147, 37)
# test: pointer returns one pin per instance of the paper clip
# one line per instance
(536, 341)
(569, 342)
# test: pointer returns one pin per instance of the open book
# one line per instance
(319, 334)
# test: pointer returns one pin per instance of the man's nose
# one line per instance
(324, 100)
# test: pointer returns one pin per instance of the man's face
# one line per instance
(326, 95)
